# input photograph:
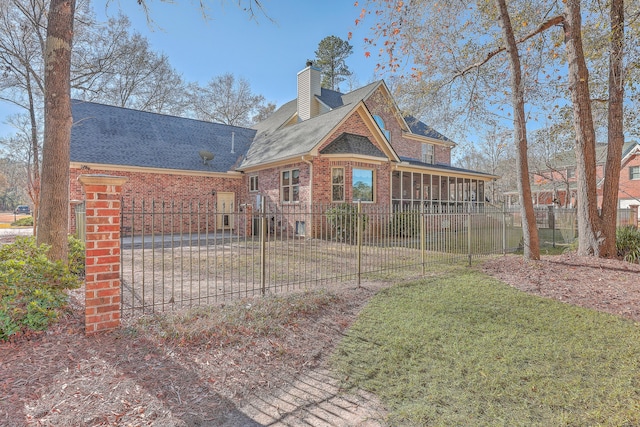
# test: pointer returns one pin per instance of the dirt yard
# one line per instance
(63, 378)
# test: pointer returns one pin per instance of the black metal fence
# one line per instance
(177, 254)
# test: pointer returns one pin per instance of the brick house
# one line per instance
(324, 147)
(557, 183)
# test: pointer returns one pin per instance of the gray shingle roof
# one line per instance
(444, 168)
(420, 128)
(111, 135)
(348, 143)
(296, 140)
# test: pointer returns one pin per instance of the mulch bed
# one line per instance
(64, 378)
(608, 285)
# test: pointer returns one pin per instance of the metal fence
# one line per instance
(180, 254)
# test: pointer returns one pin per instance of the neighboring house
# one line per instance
(557, 183)
(322, 148)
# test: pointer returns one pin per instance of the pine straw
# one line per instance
(142, 376)
(189, 369)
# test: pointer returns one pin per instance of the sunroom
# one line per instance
(438, 189)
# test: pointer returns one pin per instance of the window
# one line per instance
(634, 172)
(253, 183)
(337, 185)
(384, 130)
(571, 173)
(290, 186)
(427, 153)
(362, 185)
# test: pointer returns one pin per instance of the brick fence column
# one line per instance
(102, 266)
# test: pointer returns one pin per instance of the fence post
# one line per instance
(469, 236)
(359, 240)
(423, 237)
(102, 265)
(263, 247)
(634, 215)
(551, 218)
(504, 228)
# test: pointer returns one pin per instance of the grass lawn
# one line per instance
(463, 349)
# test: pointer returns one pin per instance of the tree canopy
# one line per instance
(331, 58)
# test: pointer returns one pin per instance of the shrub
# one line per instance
(343, 219)
(628, 243)
(405, 224)
(76, 256)
(31, 287)
(23, 222)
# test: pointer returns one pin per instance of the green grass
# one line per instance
(464, 349)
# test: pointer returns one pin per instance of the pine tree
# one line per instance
(330, 58)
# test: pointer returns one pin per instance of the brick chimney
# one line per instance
(309, 87)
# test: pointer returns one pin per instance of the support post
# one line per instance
(263, 247)
(423, 237)
(634, 215)
(102, 265)
(359, 240)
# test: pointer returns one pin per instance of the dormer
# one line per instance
(309, 87)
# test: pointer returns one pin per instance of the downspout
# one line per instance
(310, 179)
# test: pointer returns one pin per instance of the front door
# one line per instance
(226, 202)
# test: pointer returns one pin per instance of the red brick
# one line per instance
(98, 252)
(108, 276)
(108, 308)
(109, 260)
(109, 292)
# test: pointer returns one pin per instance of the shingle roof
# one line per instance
(139, 138)
(420, 128)
(567, 158)
(274, 142)
(444, 168)
(348, 143)
(296, 140)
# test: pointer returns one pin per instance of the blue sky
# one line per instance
(267, 54)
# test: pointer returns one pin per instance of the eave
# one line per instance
(141, 169)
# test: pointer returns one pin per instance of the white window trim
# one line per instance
(428, 153)
(373, 185)
(253, 188)
(289, 186)
(343, 185)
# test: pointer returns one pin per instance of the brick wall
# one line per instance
(163, 186)
(382, 106)
(629, 189)
(188, 193)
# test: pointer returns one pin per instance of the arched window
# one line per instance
(384, 130)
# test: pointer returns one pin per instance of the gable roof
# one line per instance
(567, 159)
(299, 139)
(142, 139)
(348, 143)
(275, 141)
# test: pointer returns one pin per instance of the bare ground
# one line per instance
(64, 378)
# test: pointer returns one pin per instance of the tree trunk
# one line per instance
(53, 222)
(585, 143)
(529, 228)
(33, 171)
(609, 215)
